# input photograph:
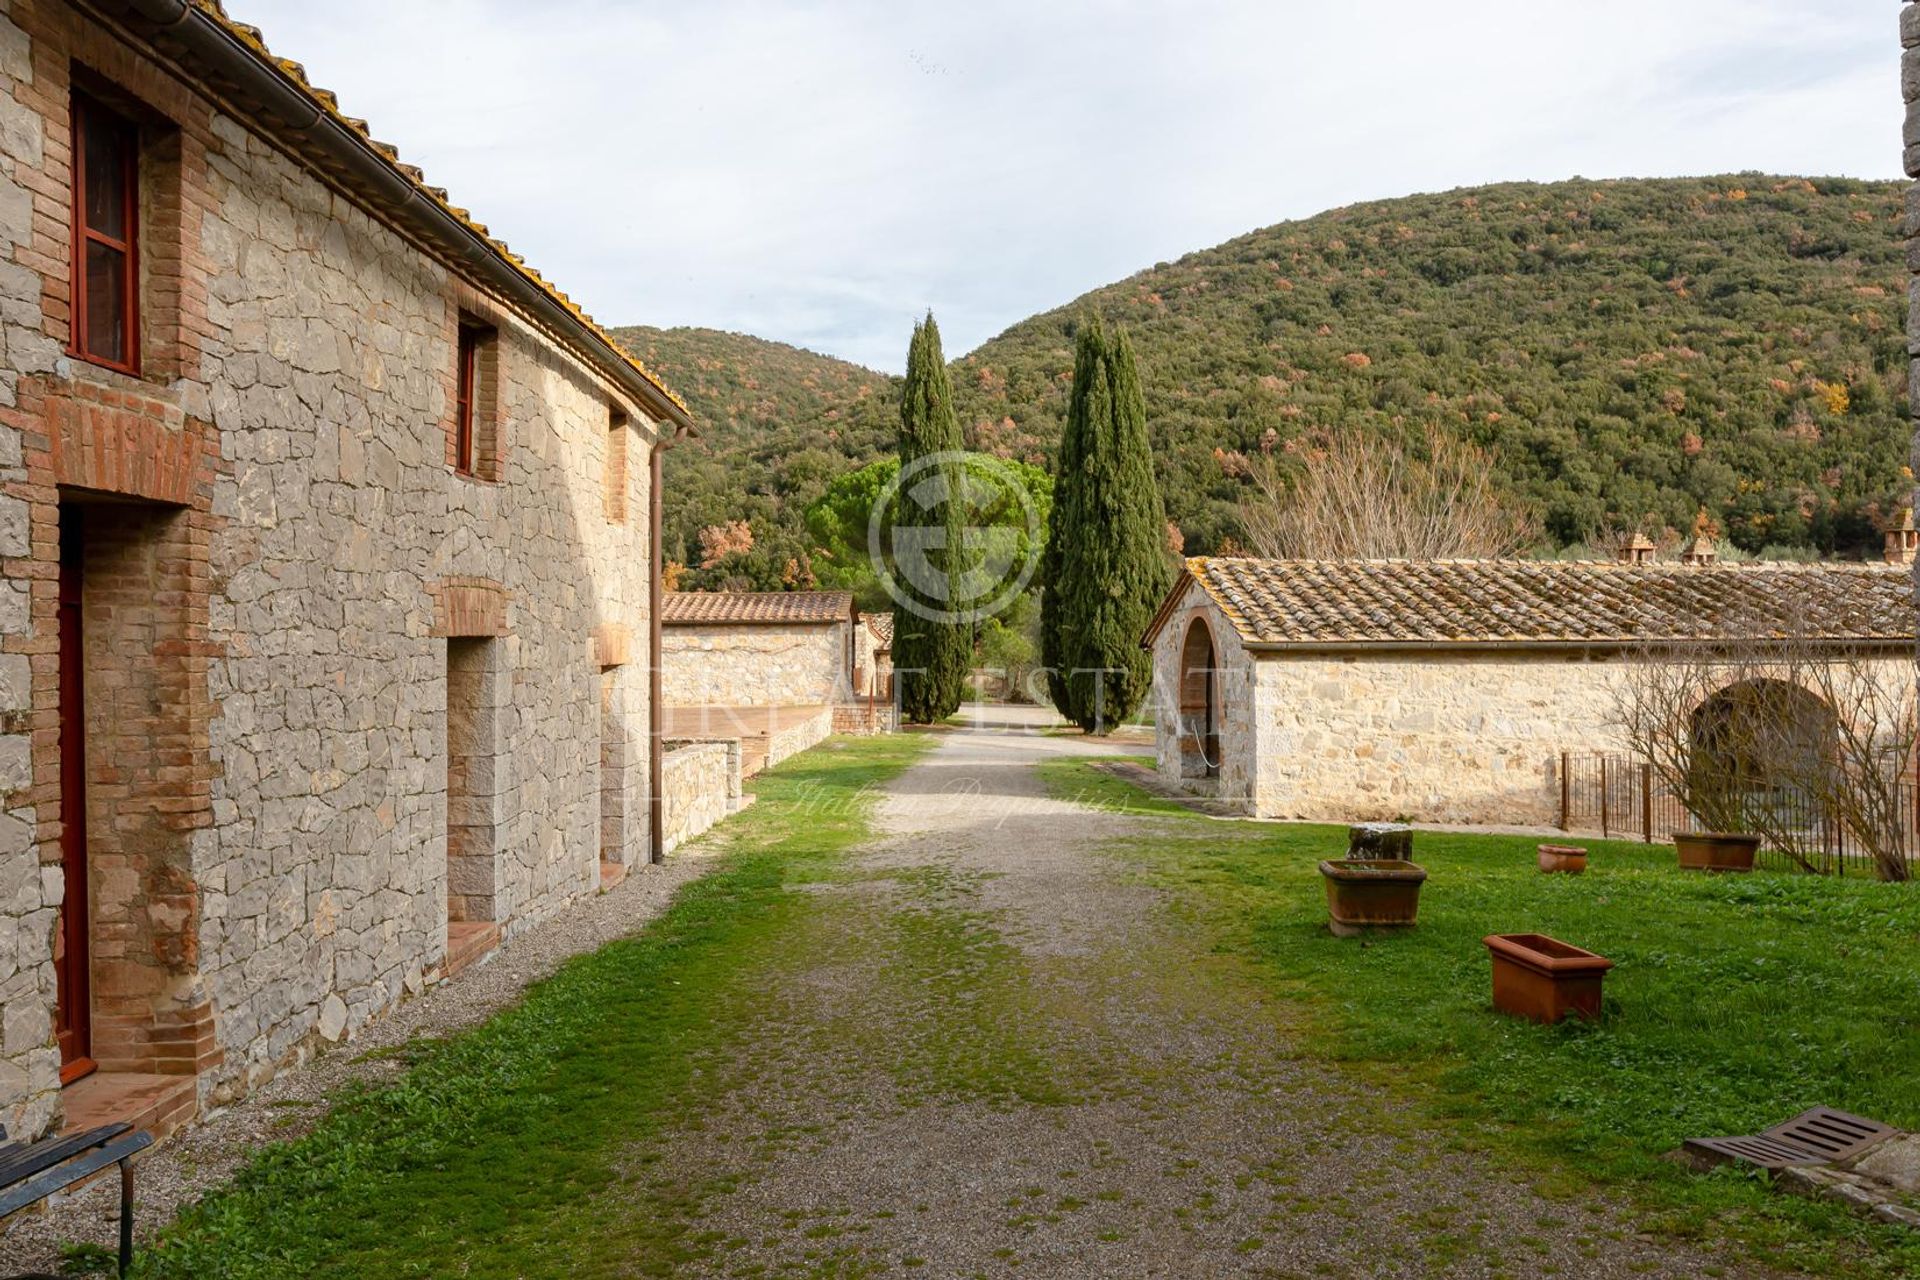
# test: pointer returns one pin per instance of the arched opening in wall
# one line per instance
(1761, 740)
(1199, 703)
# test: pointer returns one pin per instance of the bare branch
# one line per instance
(1357, 495)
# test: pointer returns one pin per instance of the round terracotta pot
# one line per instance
(1715, 850)
(1565, 859)
(1371, 893)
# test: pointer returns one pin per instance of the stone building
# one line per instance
(881, 625)
(761, 648)
(1446, 691)
(324, 571)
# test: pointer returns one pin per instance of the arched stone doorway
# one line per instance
(1761, 735)
(1199, 703)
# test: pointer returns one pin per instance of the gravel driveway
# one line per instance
(990, 1052)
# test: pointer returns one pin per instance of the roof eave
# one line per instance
(1874, 644)
(282, 105)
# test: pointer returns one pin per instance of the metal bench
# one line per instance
(32, 1171)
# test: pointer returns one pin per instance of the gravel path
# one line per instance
(990, 1052)
(208, 1153)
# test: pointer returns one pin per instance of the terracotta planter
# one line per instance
(1565, 859)
(1715, 850)
(1543, 978)
(1371, 893)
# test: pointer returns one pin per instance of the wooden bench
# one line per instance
(32, 1171)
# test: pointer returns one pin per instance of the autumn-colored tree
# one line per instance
(718, 541)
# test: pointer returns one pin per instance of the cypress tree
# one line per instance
(1105, 565)
(932, 655)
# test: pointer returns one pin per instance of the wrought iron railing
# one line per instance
(1621, 798)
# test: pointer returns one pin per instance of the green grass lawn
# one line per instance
(485, 1159)
(1736, 1002)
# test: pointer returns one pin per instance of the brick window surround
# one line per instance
(105, 266)
(473, 426)
(616, 495)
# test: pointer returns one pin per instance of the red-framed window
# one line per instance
(106, 233)
(466, 382)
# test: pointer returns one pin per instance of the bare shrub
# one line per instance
(1803, 741)
(1358, 495)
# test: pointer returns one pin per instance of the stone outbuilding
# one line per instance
(880, 677)
(1447, 691)
(325, 571)
(762, 648)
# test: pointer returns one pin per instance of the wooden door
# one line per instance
(73, 1020)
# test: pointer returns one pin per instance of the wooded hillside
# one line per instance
(1636, 350)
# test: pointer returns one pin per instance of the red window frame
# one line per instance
(85, 110)
(467, 361)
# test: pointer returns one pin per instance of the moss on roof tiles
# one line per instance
(1493, 602)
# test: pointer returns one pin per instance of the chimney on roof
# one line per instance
(1636, 550)
(1903, 540)
(1700, 551)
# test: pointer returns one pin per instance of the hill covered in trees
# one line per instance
(776, 424)
(1638, 351)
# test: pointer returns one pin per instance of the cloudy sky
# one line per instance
(821, 173)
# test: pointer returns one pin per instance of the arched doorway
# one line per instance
(1761, 736)
(1199, 703)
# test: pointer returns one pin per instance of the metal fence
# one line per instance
(1620, 797)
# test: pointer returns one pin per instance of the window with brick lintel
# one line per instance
(475, 378)
(106, 213)
(616, 466)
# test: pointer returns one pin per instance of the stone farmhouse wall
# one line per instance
(755, 665)
(324, 670)
(700, 783)
(1437, 738)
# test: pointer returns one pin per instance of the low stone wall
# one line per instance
(798, 737)
(700, 784)
(758, 665)
(866, 718)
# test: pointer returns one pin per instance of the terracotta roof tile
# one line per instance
(1362, 602)
(881, 624)
(325, 99)
(698, 608)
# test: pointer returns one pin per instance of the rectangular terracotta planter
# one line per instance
(1371, 893)
(1715, 850)
(1543, 978)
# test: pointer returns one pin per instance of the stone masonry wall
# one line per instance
(700, 783)
(795, 738)
(296, 406)
(1436, 738)
(755, 666)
